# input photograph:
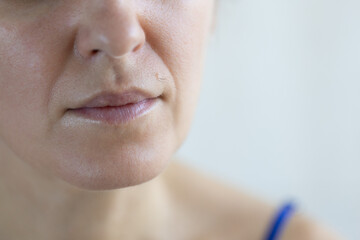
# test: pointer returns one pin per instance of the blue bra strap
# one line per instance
(279, 221)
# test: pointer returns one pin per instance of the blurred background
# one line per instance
(279, 111)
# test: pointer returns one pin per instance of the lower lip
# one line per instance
(116, 115)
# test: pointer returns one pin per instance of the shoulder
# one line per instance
(302, 227)
(218, 210)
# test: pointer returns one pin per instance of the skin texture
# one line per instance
(63, 177)
(57, 170)
(55, 54)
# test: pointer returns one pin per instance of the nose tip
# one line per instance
(132, 39)
(113, 29)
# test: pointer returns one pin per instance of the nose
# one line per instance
(111, 27)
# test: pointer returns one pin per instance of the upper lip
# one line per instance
(113, 99)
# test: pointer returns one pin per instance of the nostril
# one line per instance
(95, 51)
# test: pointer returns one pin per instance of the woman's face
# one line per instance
(56, 54)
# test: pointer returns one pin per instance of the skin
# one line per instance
(49, 47)
(62, 177)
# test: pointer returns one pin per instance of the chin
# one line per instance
(114, 171)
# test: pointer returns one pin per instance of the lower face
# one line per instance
(41, 78)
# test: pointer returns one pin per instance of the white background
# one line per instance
(279, 111)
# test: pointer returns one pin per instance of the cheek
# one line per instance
(27, 68)
(20, 87)
(180, 39)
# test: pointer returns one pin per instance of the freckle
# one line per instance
(159, 77)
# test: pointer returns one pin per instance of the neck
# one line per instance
(35, 206)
